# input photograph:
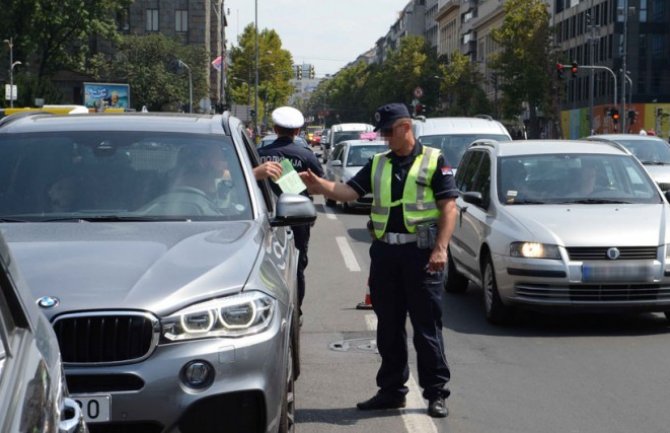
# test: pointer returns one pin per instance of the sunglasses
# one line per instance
(389, 130)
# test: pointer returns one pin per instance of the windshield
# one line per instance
(112, 175)
(358, 156)
(573, 178)
(648, 151)
(453, 146)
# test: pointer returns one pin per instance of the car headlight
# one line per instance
(534, 250)
(233, 316)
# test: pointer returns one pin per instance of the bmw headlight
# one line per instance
(233, 316)
(534, 250)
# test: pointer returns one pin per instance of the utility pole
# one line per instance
(592, 61)
(12, 64)
(256, 68)
(222, 15)
(624, 66)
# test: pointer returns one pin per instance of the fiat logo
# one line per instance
(47, 301)
(613, 253)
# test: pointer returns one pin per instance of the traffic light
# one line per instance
(311, 72)
(631, 116)
(573, 69)
(418, 109)
(614, 113)
(559, 71)
(298, 72)
(587, 16)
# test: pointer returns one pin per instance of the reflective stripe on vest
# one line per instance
(418, 200)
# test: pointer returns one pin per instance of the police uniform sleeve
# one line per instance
(362, 182)
(443, 183)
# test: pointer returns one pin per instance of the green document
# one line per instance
(290, 181)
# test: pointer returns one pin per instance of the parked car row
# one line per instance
(163, 267)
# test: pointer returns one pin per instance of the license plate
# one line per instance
(616, 273)
(95, 408)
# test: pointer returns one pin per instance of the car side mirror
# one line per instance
(293, 210)
(336, 163)
(475, 198)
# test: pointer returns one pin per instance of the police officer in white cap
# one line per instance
(287, 123)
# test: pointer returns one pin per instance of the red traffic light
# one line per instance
(573, 69)
(559, 70)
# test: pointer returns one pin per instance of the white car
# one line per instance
(342, 132)
(347, 159)
(552, 224)
(453, 135)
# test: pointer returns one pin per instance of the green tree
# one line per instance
(526, 62)
(150, 65)
(275, 69)
(54, 35)
(461, 88)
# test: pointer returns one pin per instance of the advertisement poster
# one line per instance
(107, 95)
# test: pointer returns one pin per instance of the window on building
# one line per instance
(181, 21)
(152, 20)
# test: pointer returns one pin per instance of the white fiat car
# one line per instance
(576, 225)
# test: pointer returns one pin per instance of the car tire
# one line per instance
(287, 416)
(496, 312)
(455, 281)
(331, 203)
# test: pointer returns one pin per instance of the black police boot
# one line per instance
(381, 401)
(437, 407)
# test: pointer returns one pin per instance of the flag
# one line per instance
(216, 63)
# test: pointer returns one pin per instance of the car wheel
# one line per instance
(455, 282)
(496, 312)
(287, 418)
(331, 203)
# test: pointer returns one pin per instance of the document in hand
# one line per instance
(290, 181)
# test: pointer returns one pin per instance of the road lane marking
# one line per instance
(414, 415)
(348, 254)
(329, 213)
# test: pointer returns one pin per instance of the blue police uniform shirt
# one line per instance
(301, 158)
(442, 183)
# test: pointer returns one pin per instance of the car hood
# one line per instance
(158, 267)
(593, 225)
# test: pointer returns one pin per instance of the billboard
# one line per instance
(108, 95)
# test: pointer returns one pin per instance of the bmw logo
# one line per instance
(48, 301)
(613, 253)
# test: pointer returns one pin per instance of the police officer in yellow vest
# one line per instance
(413, 216)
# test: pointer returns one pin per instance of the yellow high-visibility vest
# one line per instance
(418, 199)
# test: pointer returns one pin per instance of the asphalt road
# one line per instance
(544, 373)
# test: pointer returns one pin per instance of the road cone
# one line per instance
(367, 303)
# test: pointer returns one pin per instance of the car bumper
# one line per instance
(245, 394)
(642, 285)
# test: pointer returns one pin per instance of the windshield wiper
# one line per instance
(654, 163)
(527, 202)
(595, 201)
(13, 220)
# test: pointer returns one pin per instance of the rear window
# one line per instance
(144, 175)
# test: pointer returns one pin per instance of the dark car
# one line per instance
(174, 268)
(33, 393)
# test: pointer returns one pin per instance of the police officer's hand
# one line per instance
(438, 260)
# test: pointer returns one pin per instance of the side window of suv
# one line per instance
(467, 170)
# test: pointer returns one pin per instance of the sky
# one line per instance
(326, 33)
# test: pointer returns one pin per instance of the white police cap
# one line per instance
(288, 117)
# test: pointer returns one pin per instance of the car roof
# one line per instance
(626, 137)
(351, 127)
(458, 125)
(538, 147)
(165, 122)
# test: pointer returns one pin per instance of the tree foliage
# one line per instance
(461, 87)
(54, 35)
(275, 69)
(525, 63)
(150, 65)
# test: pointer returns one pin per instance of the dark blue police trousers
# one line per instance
(400, 284)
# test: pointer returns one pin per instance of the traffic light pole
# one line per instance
(603, 68)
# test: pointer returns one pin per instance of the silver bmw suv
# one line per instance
(167, 271)
(576, 225)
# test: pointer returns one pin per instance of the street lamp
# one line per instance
(256, 75)
(12, 64)
(190, 86)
